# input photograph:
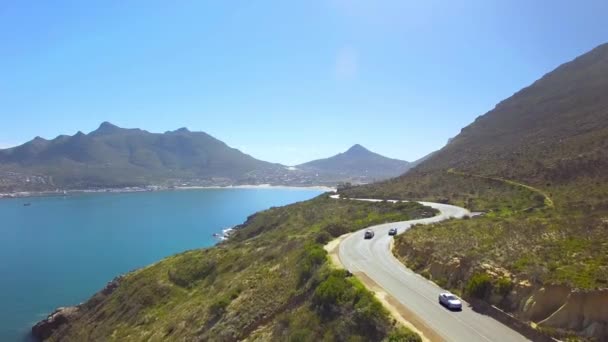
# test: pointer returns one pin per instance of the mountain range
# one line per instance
(114, 157)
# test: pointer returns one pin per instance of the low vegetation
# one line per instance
(563, 246)
(473, 193)
(270, 281)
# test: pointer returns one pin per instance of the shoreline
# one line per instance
(155, 188)
(260, 186)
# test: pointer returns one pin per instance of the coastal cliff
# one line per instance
(62, 317)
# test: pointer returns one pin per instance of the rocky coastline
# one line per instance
(63, 315)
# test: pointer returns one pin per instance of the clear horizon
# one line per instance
(285, 83)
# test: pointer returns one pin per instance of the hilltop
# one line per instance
(535, 166)
(357, 164)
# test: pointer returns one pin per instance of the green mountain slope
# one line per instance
(358, 164)
(271, 281)
(113, 157)
(551, 133)
(536, 165)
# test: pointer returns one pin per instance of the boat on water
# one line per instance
(27, 204)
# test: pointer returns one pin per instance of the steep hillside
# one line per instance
(271, 281)
(536, 165)
(114, 157)
(552, 133)
(357, 163)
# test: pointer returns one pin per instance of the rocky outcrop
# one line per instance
(44, 329)
(585, 312)
(62, 316)
(559, 308)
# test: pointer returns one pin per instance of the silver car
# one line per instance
(450, 301)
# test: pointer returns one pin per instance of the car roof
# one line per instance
(447, 294)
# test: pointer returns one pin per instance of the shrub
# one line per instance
(403, 335)
(218, 307)
(300, 335)
(312, 257)
(331, 292)
(504, 286)
(479, 286)
(323, 237)
(336, 229)
(189, 270)
(368, 313)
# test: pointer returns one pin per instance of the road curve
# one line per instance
(375, 259)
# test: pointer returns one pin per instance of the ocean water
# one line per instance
(58, 251)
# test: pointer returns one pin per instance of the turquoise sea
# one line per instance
(58, 251)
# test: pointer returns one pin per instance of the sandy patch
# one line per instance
(333, 249)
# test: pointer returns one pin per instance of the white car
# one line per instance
(450, 301)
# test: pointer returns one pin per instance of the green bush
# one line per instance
(403, 335)
(368, 312)
(312, 257)
(332, 292)
(479, 286)
(336, 229)
(218, 307)
(323, 237)
(301, 335)
(189, 270)
(504, 286)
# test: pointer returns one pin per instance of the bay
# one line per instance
(58, 251)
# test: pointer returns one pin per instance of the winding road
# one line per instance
(418, 295)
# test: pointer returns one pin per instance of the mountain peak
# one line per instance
(182, 130)
(106, 128)
(359, 163)
(356, 148)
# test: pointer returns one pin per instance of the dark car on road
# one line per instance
(368, 234)
(392, 231)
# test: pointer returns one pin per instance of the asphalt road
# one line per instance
(374, 258)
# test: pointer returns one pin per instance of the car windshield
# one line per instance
(451, 297)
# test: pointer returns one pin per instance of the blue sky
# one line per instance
(285, 81)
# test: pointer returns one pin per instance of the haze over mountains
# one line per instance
(114, 157)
